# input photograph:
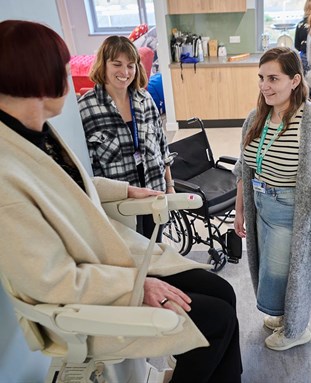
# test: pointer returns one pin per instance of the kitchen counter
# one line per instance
(216, 62)
(227, 90)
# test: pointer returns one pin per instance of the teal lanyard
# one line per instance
(262, 152)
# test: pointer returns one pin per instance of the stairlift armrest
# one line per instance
(132, 206)
(118, 320)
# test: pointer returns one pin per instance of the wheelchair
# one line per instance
(195, 171)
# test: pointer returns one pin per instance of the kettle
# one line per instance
(176, 52)
(198, 48)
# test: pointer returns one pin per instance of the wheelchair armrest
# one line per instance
(185, 186)
(227, 160)
(118, 320)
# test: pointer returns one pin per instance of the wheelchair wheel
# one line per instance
(177, 232)
(217, 258)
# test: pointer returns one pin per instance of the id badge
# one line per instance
(259, 186)
(137, 158)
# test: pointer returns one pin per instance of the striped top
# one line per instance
(279, 165)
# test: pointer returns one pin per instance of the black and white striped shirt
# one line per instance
(279, 165)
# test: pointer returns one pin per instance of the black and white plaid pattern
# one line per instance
(110, 141)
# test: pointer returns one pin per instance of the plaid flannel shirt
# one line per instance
(110, 141)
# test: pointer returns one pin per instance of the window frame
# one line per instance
(260, 22)
(122, 30)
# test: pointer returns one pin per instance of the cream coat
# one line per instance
(59, 246)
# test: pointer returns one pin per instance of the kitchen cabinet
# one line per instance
(205, 6)
(214, 93)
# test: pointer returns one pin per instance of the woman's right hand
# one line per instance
(239, 215)
(239, 225)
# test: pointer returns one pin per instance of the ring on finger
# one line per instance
(162, 303)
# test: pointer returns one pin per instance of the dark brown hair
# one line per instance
(291, 65)
(33, 60)
(110, 49)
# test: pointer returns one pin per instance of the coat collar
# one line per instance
(25, 146)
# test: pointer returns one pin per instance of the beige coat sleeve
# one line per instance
(110, 190)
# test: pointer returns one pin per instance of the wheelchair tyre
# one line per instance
(217, 258)
(177, 232)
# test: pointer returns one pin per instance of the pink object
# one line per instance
(138, 31)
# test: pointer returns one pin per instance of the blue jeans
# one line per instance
(275, 212)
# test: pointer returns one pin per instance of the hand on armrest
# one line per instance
(138, 193)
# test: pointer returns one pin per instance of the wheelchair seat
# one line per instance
(195, 170)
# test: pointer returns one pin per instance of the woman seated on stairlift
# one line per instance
(58, 245)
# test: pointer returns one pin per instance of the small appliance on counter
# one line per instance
(186, 44)
(222, 51)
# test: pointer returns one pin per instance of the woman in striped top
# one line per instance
(274, 185)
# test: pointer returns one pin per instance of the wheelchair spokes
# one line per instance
(177, 232)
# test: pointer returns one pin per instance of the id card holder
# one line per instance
(137, 158)
(259, 186)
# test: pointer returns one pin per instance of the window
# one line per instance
(119, 16)
(278, 16)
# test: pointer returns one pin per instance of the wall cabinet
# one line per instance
(205, 6)
(214, 93)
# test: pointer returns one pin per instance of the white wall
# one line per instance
(17, 363)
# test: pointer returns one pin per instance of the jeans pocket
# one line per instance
(285, 198)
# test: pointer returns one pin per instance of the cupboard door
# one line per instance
(205, 6)
(245, 90)
(221, 93)
(222, 6)
(197, 94)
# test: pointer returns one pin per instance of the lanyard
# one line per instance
(262, 152)
(135, 128)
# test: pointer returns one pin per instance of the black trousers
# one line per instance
(213, 310)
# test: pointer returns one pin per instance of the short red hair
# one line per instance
(33, 60)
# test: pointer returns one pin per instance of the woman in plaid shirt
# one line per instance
(122, 124)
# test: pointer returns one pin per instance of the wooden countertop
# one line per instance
(216, 62)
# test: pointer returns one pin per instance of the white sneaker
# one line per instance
(277, 341)
(273, 322)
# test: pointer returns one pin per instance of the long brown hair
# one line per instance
(290, 64)
(307, 8)
(110, 49)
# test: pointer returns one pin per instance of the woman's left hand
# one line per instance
(156, 290)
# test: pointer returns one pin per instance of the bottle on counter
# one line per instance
(200, 50)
